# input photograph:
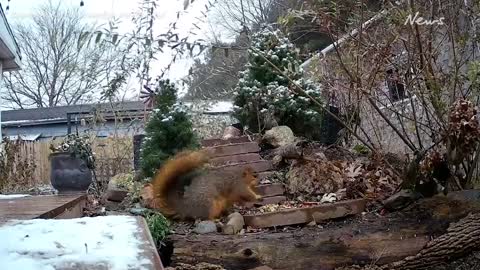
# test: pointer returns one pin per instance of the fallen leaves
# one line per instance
(361, 178)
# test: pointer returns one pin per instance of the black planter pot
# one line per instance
(69, 174)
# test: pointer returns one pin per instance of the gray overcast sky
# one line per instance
(101, 11)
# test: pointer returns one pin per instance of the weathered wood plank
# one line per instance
(257, 167)
(148, 245)
(266, 200)
(305, 215)
(263, 175)
(271, 190)
(235, 159)
(233, 149)
(32, 207)
(218, 142)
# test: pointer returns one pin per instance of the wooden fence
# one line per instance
(113, 156)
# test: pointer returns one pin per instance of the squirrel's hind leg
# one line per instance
(217, 208)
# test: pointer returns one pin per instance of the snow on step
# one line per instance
(112, 242)
(218, 142)
(305, 215)
(13, 196)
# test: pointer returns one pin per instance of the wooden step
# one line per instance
(304, 215)
(233, 149)
(271, 190)
(218, 142)
(258, 166)
(266, 200)
(50, 206)
(235, 159)
(263, 175)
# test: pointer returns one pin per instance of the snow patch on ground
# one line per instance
(103, 242)
(13, 196)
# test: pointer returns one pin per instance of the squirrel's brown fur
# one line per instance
(184, 189)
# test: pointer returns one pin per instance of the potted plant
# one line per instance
(72, 163)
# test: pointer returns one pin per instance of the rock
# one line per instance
(235, 224)
(43, 190)
(139, 211)
(269, 120)
(277, 160)
(119, 186)
(115, 195)
(231, 132)
(321, 156)
(204, 227)
(122, 181)
(147, 196)
(400, 200)
(279, 136)
(329, 198)
(341, 194)
(312, 223)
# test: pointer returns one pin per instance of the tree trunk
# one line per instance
(373, 239)
(461, 238)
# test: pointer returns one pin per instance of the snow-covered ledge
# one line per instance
(108, 242)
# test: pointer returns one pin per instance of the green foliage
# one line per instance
(361, 149)
(124, 181)
(263, 92)
(158, 225)
(168, 131)
(79, 147)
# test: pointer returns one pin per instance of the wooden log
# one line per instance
(373, 239)
(461, 238)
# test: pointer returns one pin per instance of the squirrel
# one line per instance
(184, 189)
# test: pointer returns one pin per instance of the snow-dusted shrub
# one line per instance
(168, 131)
(263, 93)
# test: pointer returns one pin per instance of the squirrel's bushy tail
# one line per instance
(165, 180)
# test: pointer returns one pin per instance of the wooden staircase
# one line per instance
(239, 153)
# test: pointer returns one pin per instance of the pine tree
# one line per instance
(168, 131)
(263, 91)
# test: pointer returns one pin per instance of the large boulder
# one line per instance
(279, 136)
(119, 186)
(235, 224)
(231, 132)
